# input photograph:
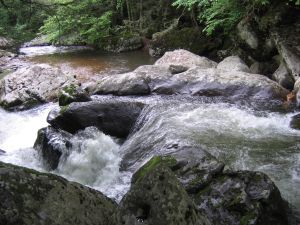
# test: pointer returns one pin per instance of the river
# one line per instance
(242, 137)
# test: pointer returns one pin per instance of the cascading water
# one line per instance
(93, 159)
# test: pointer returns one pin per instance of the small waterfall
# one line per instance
(93, 160)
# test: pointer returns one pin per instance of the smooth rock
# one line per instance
(51, 144)
(32, 85)
(185, 58)
(214, 82)
(29, 197)
(138, 82)
(283, 77)
(158, 198)
(233, 63)
(112, 116)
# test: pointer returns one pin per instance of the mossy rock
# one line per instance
(188, 38)
(72, 93)
(30, 197)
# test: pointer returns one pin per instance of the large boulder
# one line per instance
(185, 58)
(214, 82)
(158, 198)
(233, 63)
(138, 82)
(51, 144)
(182, 72)
(29, 197)
(112, 116)
(32, 85)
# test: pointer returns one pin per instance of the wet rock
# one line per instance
(158, 198)
(214, 82)
(283, 77)
(111, 116)
(240, 198)
(233, 63)
(51, 144)
(295, 122)
(29, 197)
(6, 43)
(72, 93)
(194, 167)
(185, 58)
(233, 198)
(32, 85)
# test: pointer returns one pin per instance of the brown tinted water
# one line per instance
(89, 65)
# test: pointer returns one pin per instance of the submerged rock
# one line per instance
(233, 63)
(51, 144)
(158, 198)
(29, 197)
(111, 116)
(32, 85)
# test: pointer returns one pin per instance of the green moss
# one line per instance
(63, 109)
(248, 218)
(67, 94)
(155, 161)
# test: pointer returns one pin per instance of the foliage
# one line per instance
(20, 20)
(224, 14)
(90, 20)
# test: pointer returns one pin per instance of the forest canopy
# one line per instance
(91, 21)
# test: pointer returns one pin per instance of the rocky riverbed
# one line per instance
(172, 126)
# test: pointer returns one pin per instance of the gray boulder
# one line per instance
(233, 63)
(111, 116)
(157, 197)
(138, 82)
(6, 43)
(29, 197)
(185, 58)
(51, 144)
(32, 85)
(283, 77)
(214, 82)
(246, 33)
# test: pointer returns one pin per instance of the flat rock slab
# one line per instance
(32, 85)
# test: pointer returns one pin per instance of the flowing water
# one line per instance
(242, 137)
